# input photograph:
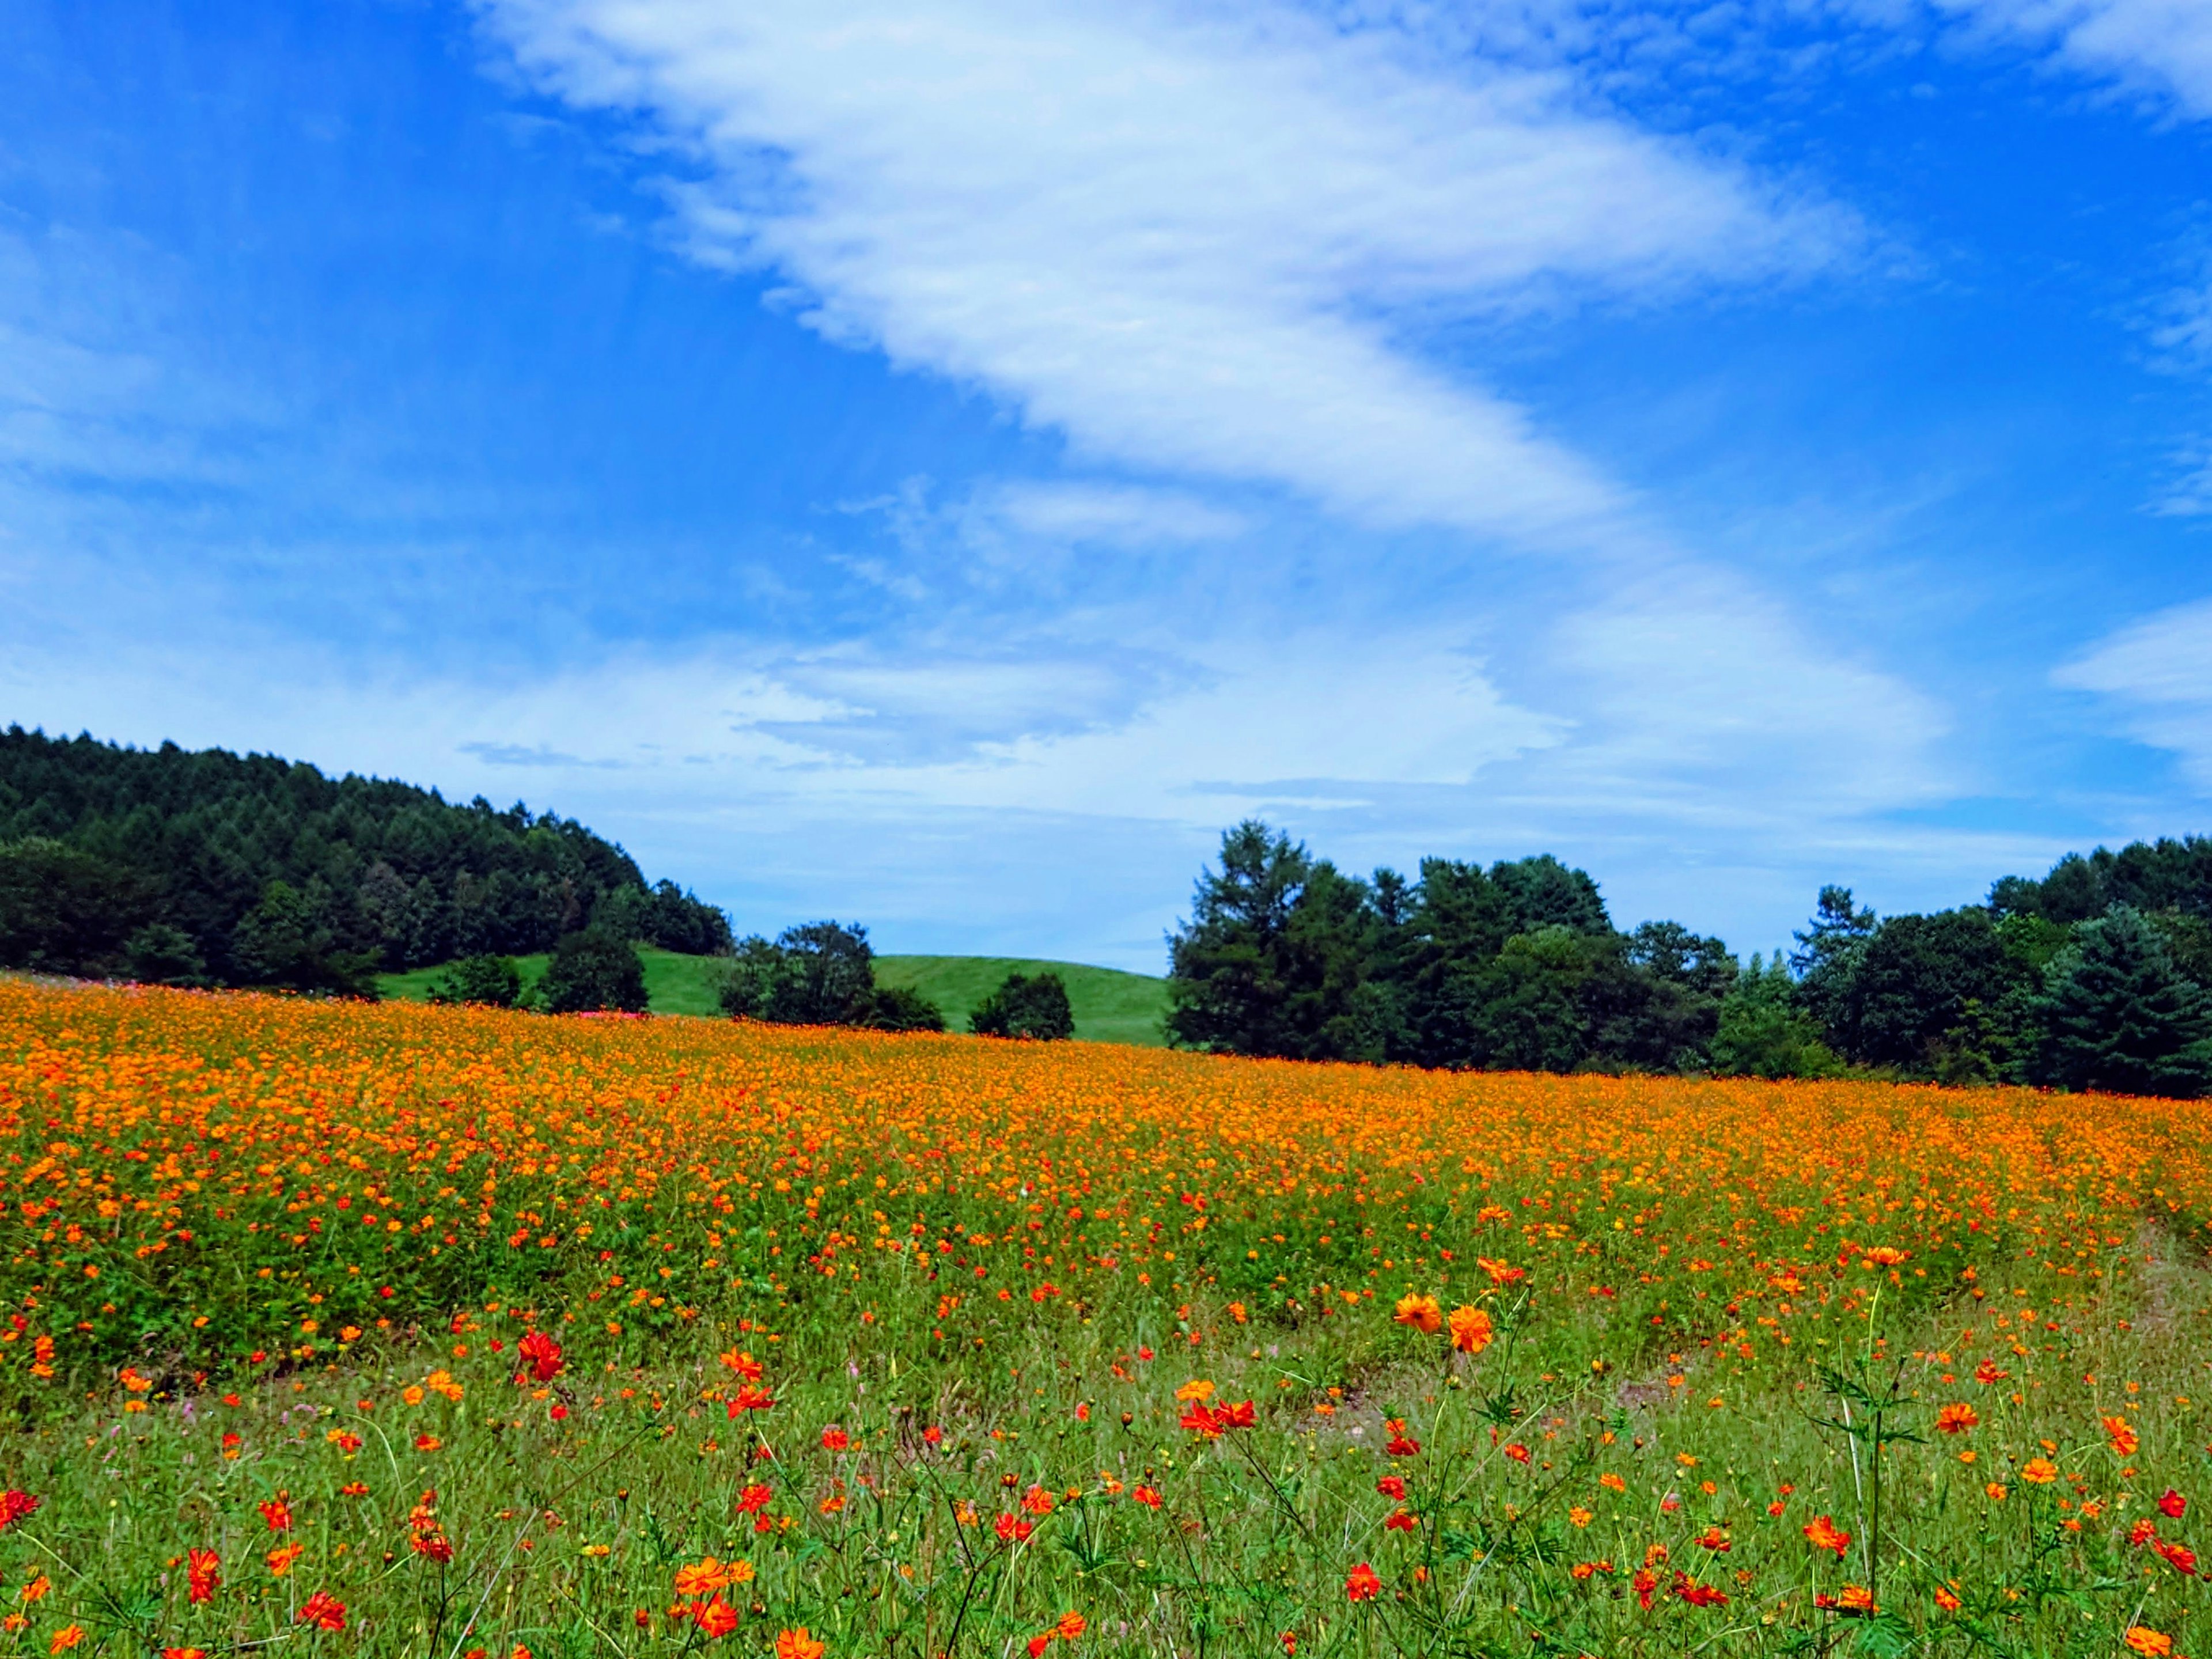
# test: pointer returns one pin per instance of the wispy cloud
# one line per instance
(2160, 47)
(2158, 673)
(1197, 244)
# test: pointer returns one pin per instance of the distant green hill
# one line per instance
(1110, 1006)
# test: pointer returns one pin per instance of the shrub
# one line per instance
(592, 971)
(490, 981)
(1026, 1006)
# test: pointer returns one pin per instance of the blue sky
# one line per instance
(939, 463)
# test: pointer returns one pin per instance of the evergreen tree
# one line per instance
(2119, 1015)
(1762, 1030)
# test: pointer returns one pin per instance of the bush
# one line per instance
(591, 972)
(897, 1008)
(487, 981)
(161, 954)
(64, 911)
(1035, 1008)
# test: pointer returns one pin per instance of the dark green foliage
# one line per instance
(1274, 959)
(1763, 1031)
(161, 954)
(593, 971)
(286, 940)
(63, 910)
(194, 841)
(1516, 966)
(1828, 952)
(2147, 875)
(821, 973)
(2117, 1014)
(490, 982)
(1910, 984)
(1025, 1006)
(901, 1008)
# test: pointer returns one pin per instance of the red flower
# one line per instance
(1402, 1521)
(203, 1573)
(1013, 1529)
(2172, 1505)
(323, 1611)
(755, 1497)
(1987, 1372)
(1697, 1595)
(1517, 1452)
(750, 1399)
(1236, 1416)
(277, 1512)
(1362, 1585)
(714, 1618)
(1393, 1488)
(2182, 1561)
(544, 1354)
(1645, 1584)
(1147, 1495)
(1201, 1420)
(1399, 1445)
(834, 1439)
(1037, 1646)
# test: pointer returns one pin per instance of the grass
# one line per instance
(1110, 1006)
(452, 1334)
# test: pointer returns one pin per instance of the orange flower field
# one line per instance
(466, 1333)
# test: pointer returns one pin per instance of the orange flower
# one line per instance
(1995, 1491)
(703, 1579)
(1037, 1501)
(2038, 1471)
(1071, 1626)
(715, 1620)
(1148, 1495)
(2142, 1638)
(281, 1559)
(184, 1653)
(65, 1639)
(1362, 1585)
(1471, 1330)
(2123, 1436)
(1825, 1534)
(799, 1645)
(1424, 1313)
(277, 1512)
(322, 1610)
(1956, 1418)
(1946, 1600)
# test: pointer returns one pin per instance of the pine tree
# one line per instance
(2117, 1013)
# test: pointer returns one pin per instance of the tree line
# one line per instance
(2093, 977)
(205, 868)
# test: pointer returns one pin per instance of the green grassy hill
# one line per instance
(1110, 1006)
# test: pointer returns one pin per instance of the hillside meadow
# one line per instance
(412, 1330)
(1110, 1005)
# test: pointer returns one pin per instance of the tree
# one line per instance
(160, 954)
(285, 940)
(822, 973)
(1025, 1007)
(1273, 958)
(66, 911)
(1827, 954)
(2117, 1014)
(1910, 984)
(487, 981)
(1763, 1032)
(1542, 892)
(591, 972)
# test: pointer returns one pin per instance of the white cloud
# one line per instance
(1114, 514)
(2159, 673)
(1190, 244)
(2162, 47)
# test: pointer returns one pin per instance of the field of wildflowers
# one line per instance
(474, 1335)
